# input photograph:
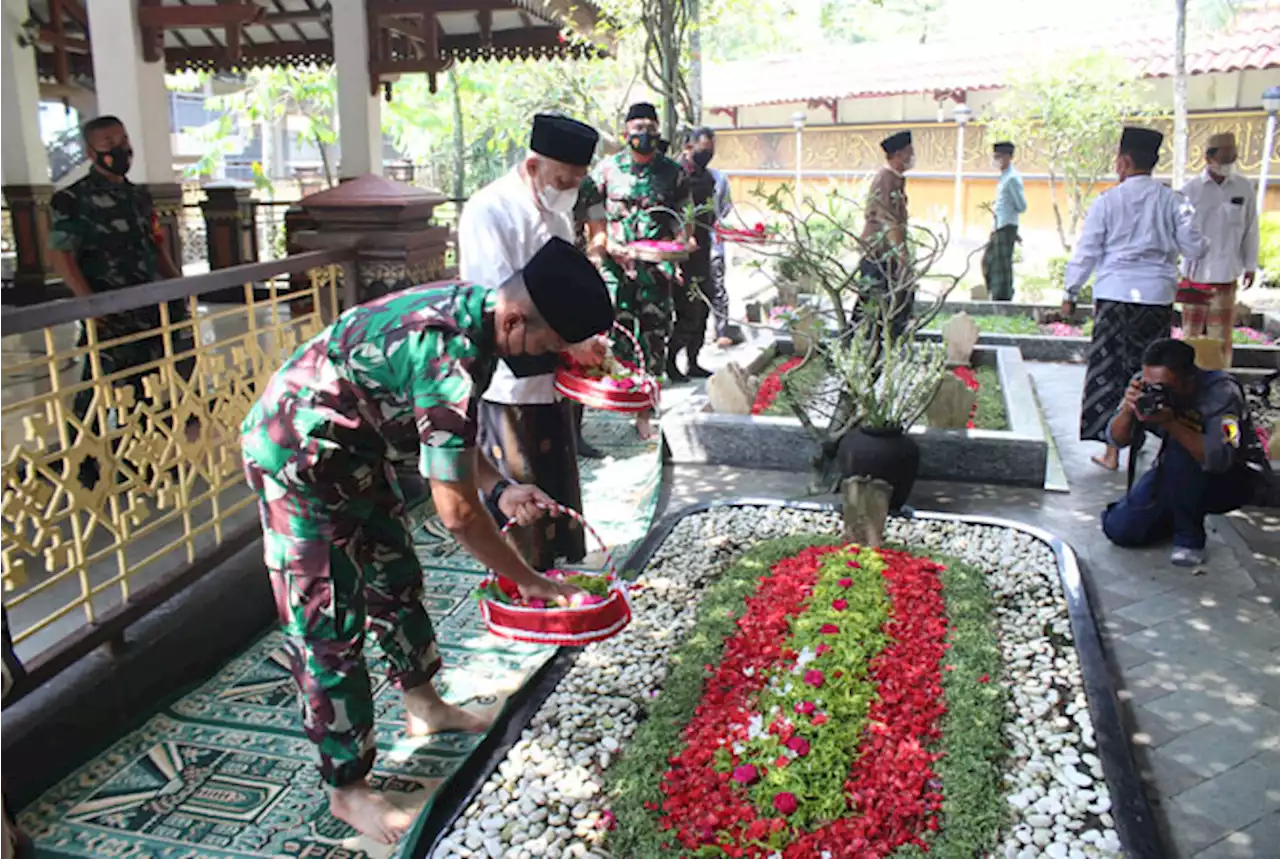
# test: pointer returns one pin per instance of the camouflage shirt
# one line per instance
(398, 375)
(623, 192)
(110, 229)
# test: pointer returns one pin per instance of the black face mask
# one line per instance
(643, 142)
(116, 160)
(703, 158)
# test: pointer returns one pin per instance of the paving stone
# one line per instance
(1214, 749)
(1259, 840)
(1188, 834)
(1188, 709)
(1158, 609)
(1146, 729)
(1165, 775)
(1124, 656)
(1238, 797)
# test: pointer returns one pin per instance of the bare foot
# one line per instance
(724, 342)
(362, 807)
(644, 426)
(1109, 460)
(428, 713)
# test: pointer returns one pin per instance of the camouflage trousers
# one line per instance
(342, 564)
(643, 304)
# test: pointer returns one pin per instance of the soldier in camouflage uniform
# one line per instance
(397, 377)
(619, 198)
(105, 236)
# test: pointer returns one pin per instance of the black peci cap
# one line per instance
(563, 139)
(568, 291)
(1140, 140)
(896, 142)
(642, 110)
(1003, 148)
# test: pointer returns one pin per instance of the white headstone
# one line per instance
(729, 391)
(960, 335)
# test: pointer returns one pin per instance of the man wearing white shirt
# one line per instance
(1223, 200)
(726, 333)
(526, 428)
(1131, 240)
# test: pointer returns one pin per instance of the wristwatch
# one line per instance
(491, 502)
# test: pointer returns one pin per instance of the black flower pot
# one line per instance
(888, 454)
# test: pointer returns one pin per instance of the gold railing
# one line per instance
(121, 463)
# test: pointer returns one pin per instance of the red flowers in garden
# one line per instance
(771, 387)
(756, 806)
(970, 379)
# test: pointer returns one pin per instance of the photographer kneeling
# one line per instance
(1203, 465)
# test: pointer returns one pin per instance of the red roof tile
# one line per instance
(987, 62)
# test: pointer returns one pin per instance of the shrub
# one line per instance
(1269, 248)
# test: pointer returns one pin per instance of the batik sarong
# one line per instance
(537, 444)
(1217, 319)
(997, 263)
(1121, 333)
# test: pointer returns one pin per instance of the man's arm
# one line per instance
(1191, 242)
(66, 267)
(1124, 424)
(1216, 448)
(66, 231)
(1088, 251)
(1249, 244)
(1019, 196)
(165, 264)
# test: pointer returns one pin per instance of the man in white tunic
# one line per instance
(1225, 214)
(526, 428)
(1131, 240)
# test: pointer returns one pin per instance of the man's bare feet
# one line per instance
(369, 812)
(724, 342)
(428, 713)
(644, 426)
(1109, 460)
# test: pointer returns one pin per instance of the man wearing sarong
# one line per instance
(622, 197)
(1131, 240)
(1226, 215)
(694, 296)
(391, 379)
(526, 428)
(885, 268)
(727, 334)
(1011, 202)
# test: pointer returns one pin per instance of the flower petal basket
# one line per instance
(601, 616)
(657, 250)
(754, 236)
(629, 389)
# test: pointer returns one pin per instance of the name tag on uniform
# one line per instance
(1238, 201)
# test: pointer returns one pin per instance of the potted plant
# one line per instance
(878, 382)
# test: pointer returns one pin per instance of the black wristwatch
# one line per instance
(491, 501)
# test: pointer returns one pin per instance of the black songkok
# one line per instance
(563, 139)
(896, 142)
(1004, 148)
(1140, 141)
(568, 291)
(642, 110)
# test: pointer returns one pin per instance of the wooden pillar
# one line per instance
(229, 224)
(29, 215)
(389, 223)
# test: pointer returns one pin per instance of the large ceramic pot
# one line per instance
(888, 454)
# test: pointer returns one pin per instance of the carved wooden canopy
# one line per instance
(405, 36)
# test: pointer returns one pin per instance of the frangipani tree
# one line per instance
(877, 373)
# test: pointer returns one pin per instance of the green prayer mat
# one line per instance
(225, 771)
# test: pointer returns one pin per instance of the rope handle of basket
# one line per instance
(646, 380)
(569, 512)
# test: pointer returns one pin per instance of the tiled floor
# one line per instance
(1196, 656)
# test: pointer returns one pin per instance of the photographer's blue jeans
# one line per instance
(1171, 500)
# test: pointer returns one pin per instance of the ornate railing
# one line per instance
(121, 479)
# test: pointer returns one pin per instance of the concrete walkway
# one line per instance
(1195, 655)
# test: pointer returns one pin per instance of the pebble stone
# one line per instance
(1059, 801)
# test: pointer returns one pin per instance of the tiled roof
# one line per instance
(987, 62)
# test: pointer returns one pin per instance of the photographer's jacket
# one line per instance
(1220, 413)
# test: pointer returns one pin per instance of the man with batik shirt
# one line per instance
(526, 428)
(397, 377)
(622, 198)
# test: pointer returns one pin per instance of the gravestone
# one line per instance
(866, 506)
(952, 404)
(960, 335)
(979, 293)
(730, 392)
(1210, 352)
(806, 330)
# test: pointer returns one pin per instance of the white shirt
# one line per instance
(500, 230)
(724, 206)
(1227, 217)
(1131, 240)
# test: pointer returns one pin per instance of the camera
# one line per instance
(1153, 398)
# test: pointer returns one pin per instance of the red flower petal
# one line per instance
(785, 803)
(823, 648)
(746, 774)
(839, 605)
(799, 745)
(845, 583)
(804, 708)
(984, 678)
(815, 678)
(829, 629)
(819, 720)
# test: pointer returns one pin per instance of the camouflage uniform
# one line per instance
(112, 230)
(621, 191)
(396, 377)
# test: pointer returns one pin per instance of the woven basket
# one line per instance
(599, 394)
(566, 626)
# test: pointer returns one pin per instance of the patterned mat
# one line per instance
(225, 771)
